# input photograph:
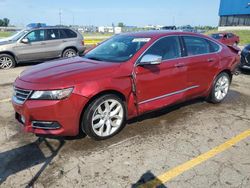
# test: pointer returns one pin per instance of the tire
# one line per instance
(220, 88)
(7, 61)
(70, 52)
(104, 117)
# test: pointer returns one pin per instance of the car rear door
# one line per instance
(53, 43)
(201, 61)
(163, 84)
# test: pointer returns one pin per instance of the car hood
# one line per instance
(68, 71)
(5, 41)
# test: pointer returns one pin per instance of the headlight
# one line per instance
(52, 95)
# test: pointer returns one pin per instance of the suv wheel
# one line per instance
(7, 61)
(104, 117)
(220, 88)
(69, 53)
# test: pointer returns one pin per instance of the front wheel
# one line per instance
(220, 88)
(7, 61)
(104, 117)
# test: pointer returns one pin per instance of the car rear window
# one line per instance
(196, 45)
(53, 34)
(69, 33)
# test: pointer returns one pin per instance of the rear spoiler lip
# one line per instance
(234, 48)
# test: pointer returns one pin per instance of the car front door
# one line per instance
(34, 48)
(162, 84)
(201, 62)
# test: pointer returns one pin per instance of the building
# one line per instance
(234, 15)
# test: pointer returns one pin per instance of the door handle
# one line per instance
(210, 60)
(43, 43)
(64, 41)
(179, 65)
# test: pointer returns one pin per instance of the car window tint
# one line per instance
(230, 35)
(70, 34)
(52, 34)
(62, 34)
(36, 36)
(196, 45)
(213, 46)
(167, 48)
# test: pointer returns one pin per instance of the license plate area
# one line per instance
(20, 118)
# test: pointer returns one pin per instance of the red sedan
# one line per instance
(229, 39)
(123, 77)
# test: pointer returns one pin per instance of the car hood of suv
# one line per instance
(68, 71)
(6, 41)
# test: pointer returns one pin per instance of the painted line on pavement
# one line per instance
(5, 100)
(176, 171)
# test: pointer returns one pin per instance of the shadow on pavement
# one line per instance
(19, 159)
(146, 177)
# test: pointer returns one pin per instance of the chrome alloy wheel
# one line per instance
(5, 62)
(221, 88)
(107, 118)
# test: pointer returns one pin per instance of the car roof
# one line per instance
(49, 27)
(160, 33)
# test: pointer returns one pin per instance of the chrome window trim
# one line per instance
(181, 35)
(15, 99)
(169, 94)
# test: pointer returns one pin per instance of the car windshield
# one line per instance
(17, 35)
(119, 48)
(217, 36)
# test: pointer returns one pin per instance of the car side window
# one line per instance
(230, 35)
(69, 33)
(36, 36)
(52, 34)
(196, 45)
(167, 48)
(213, 46)
(62, 34)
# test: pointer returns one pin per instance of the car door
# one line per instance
(201, 62)
(53, 43)
(34, 49)
(163, 84)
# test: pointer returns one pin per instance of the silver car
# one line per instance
(40, 44)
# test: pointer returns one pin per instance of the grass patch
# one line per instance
(4, 34)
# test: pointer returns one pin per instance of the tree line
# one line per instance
(4, 22)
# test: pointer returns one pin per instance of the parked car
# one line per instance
(40, 44)
(245, 58)
(123, 77)
(227, 38)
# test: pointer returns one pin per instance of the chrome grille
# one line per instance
(21, 95)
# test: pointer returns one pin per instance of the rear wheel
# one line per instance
(104, 117)
(7, 61)
(70, 52)
(220, 88)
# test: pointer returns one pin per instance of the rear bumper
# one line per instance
(64, 114)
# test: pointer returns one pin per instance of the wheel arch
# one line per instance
(97, 95)
(11, 54)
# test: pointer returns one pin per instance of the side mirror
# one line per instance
(25, 41)
(151, 59)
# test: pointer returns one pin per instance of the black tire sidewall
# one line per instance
(12, 59)
(212, 95)
(86, 123)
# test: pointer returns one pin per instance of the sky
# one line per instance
(104, 13)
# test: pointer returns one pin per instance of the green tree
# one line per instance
(6, 22)
(1, 23)
(121, 24)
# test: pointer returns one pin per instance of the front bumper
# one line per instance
(64, 114)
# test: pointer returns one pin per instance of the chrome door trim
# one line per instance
(169, 94)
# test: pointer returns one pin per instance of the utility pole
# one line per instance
(60, 16)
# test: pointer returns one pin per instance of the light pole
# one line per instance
(60, 16)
